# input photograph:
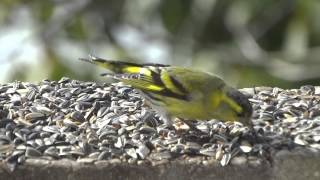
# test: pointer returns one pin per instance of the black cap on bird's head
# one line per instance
(242, 100)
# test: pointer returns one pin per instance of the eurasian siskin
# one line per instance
(181, 92)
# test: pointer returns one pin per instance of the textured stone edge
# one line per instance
(66, 169)
(301, 163)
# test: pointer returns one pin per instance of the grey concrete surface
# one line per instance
(287, 165)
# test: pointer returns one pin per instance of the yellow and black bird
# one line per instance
(181, 92)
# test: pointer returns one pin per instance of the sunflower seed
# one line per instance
(225, 159)
(143, 151)
(88, 122)
(31, 152)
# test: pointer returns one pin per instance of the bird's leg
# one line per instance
(256, 137)
(259, 137)
(191, 126)
(167, 120)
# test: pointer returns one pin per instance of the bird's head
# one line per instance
(234, 106)
(243, 113)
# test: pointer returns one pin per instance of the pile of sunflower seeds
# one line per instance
(90, 122)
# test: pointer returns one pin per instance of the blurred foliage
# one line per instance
(248, 43)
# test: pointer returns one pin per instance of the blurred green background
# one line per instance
(247, 42)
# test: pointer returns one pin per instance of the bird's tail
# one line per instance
(118, 67)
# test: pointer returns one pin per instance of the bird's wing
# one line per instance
(151, 81)
(150, 78)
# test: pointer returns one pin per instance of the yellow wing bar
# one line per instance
(147, 77)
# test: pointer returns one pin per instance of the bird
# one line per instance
(180, 92)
